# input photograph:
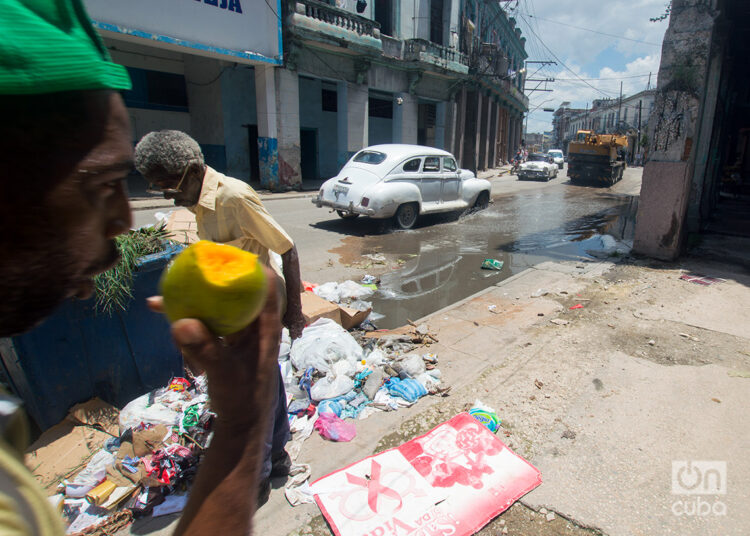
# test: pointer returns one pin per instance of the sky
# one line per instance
(560, 31)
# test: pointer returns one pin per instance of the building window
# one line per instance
(156, 90)
(380, 108)
(329, 99)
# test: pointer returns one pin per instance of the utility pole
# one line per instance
(619, 109)
(648, 86)
(638, 141)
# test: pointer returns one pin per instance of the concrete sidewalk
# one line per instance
(652, 370)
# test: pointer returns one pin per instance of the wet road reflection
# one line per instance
(441, 262)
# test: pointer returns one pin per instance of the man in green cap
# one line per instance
(66, 151)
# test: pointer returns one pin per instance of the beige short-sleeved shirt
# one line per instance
(230, 212)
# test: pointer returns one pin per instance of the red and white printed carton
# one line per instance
(450, 481)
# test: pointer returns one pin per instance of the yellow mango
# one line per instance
(223, 286)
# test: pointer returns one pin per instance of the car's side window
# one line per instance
(431, 164)
(413, 164)
(449, 164)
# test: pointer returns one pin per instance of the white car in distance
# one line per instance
(402, 182)
(537, 166)
(557, 157)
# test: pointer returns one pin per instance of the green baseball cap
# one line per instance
(49, 46)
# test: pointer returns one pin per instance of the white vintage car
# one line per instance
(537, 166)
(557, 157)
(402, 182)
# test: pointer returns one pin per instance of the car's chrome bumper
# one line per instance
(350, 208)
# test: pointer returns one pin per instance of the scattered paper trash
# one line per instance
(492, 264)
(576, 306)
(701, 279)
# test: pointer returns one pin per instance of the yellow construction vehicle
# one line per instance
(595, 158)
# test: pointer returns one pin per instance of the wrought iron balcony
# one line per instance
(341, 18)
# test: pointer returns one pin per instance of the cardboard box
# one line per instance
(315, 307)
(65, 449)
(351, 318)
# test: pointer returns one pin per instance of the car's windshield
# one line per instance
(370, 157)
(556, 154)
(537, 158)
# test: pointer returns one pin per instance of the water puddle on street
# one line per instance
(441, 259)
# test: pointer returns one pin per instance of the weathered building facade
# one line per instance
(627, 116)
(204, 67)
(697, 177)
(443, 73)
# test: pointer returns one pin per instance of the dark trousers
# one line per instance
(278, 433)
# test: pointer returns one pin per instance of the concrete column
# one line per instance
(277, 102)
(458, 140)
(440, 125)
(206, 121)
(287, 113)
(405, 118)
(450, 126)
(268, 142)
(492, 137)
(357, 106)
(342, 124)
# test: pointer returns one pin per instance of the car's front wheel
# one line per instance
(347, 215)
(406, 215)
(483, 200)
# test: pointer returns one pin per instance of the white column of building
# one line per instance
(405, 117)
(357, 107)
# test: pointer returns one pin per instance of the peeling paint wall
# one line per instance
(673, 129)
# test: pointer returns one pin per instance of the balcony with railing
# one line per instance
(321, 21)
(431, 53)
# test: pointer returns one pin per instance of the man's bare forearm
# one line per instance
(293, 318)
(224, 496)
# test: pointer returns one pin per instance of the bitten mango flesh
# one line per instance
(223, 286)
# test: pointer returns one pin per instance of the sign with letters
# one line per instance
(236, 30)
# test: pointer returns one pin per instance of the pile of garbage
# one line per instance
(137, 462)
(329, 372)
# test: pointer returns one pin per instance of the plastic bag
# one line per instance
(331, 427)
(408, 389)
(331, 387)
(349, 290)
(139, 411)
(330, 406)
(375, 358)
(485, 415)
(323, 343)
(427, 380)
(328, 291)
(413, 365)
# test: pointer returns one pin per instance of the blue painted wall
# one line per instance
(326, 123)
(238, 109)
(380, 130)
(268, 154)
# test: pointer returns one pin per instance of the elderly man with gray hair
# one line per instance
(229, 211)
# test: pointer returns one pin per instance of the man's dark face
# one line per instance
(51, 247)
(186, 191)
